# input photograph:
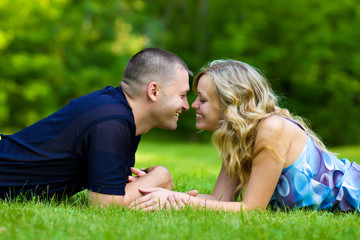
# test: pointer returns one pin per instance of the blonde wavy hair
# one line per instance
(245, 99)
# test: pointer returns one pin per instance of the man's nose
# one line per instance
(186, 104)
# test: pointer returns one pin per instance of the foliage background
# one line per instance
(54, 51)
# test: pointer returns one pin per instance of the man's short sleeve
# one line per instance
(111, 153)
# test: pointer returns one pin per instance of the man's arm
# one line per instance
(156, 177)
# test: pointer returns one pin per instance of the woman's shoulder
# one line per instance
(273, 124)
(277, 124)
(270, 130)
(277, 128)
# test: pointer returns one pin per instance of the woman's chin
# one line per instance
(199, 126)
(204, 128)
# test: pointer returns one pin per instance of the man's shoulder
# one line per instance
(86, 111)
(101, 103)
(106, 95)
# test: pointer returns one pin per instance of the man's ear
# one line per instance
(153, 91)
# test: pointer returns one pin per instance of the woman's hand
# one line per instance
(177, 203)
(156, 199)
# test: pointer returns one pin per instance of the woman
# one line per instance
(264, 149)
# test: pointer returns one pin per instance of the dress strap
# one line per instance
(293, 121)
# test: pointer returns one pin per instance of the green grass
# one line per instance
(192, 166)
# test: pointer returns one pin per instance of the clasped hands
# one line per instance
(157, 198)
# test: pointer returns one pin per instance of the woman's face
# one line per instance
(207, 105)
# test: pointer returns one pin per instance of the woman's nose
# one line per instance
(195, 104)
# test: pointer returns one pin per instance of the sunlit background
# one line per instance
(52, 51)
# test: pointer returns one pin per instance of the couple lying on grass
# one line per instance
(91, 144)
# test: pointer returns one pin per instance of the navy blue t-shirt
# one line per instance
(90, 143)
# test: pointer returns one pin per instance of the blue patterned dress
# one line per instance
(319, 180)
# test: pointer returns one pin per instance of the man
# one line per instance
(91, 142)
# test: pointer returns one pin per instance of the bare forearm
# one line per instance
(225, 206)
(208, 197)
(212, 203)
(157, 177)
(216, 197)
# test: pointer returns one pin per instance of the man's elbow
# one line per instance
(165, 178)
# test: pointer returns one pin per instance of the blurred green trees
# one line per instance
(53, 51)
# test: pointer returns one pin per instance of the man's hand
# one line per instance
(138, 174)
(193, 193)
(163, 173)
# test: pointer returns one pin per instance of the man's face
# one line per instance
(173, 100)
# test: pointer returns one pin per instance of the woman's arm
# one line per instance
(158, 198)
(265, 173)
(224, 188)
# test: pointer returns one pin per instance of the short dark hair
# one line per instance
(151, 64)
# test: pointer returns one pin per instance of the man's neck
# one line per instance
(140, 113)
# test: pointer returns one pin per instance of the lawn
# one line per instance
(193, 166)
